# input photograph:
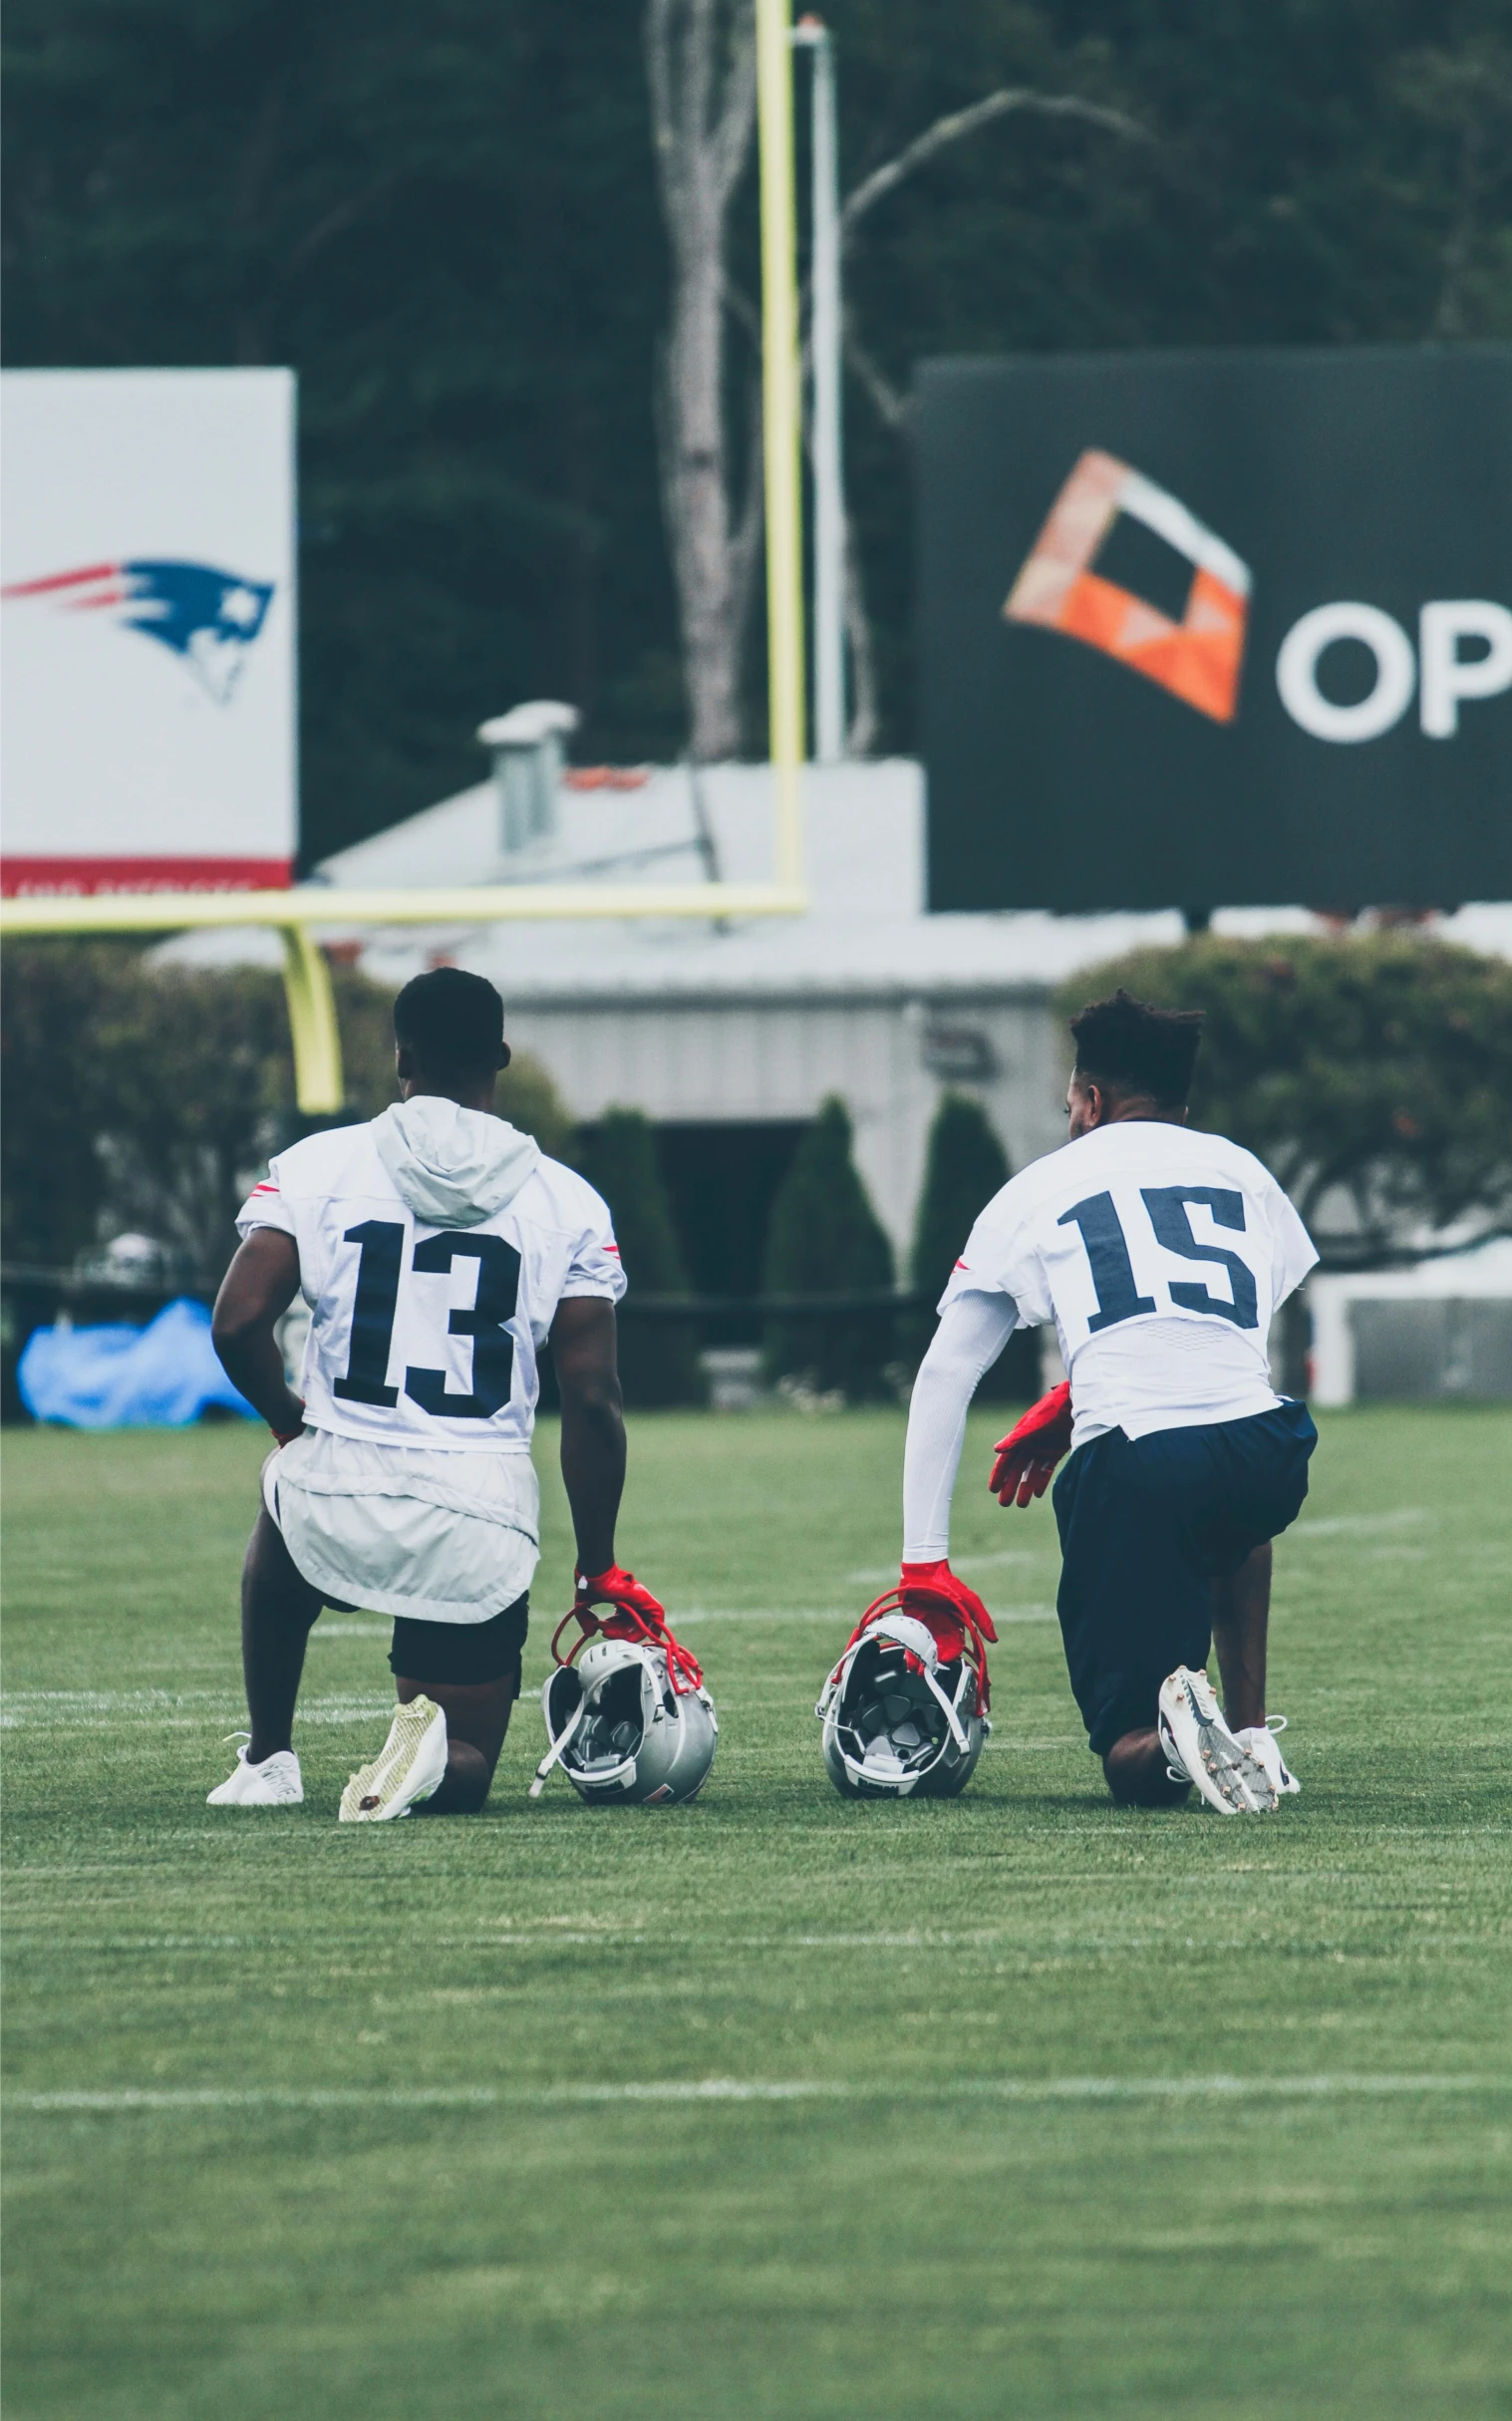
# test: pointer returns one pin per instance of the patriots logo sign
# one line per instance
(207, 617)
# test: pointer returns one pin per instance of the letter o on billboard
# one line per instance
(1396, 672)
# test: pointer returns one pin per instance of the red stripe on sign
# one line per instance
(41, 588)
(86, 877)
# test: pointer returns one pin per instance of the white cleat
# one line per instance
(1200, 1748)
(276, 1782)
(1265, 1749)
(409, 1767)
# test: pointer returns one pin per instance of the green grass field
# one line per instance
(1062, 2111)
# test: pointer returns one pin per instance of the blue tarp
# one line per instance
(121, 1378)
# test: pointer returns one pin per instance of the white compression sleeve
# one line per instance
(971, 1334)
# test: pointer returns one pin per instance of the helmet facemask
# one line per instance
(901, 1720)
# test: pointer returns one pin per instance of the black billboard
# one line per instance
(1218, 628)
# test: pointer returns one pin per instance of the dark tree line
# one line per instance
(447, 220)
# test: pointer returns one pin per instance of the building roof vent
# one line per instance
(528, 747)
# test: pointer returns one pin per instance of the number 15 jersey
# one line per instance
(426, 1334)
(1160, 1254)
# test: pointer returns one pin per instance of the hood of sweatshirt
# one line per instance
(453, 1166)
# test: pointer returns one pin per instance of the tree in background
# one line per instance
(447, 220)
(141, 1097)
(824, 1238)
(658, 1356)
(700, 69)
(965, 1166)
(1373, 1074)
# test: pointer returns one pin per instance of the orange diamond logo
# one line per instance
(1197, 659)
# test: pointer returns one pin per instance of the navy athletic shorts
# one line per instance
(1145, 1523)
(462, 1652)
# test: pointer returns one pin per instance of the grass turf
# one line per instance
(1116, 2113)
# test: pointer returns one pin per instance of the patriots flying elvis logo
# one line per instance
(208, 616)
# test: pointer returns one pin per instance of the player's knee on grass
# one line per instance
(473, 1672)
(465, 1787)
(1136, 1772)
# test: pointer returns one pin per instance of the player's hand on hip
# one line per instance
(1027, 1456)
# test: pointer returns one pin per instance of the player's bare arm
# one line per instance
(255, 1292)
(584, 1348)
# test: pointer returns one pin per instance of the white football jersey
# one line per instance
(423, 1336)
(1160, 1254)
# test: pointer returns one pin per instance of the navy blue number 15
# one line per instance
(1119, 1298)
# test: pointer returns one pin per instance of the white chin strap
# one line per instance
(559, 1740)
(834, 1691)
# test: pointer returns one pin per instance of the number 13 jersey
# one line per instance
(1160, 1254)
(426, 1334)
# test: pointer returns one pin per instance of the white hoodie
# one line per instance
(452, 1167)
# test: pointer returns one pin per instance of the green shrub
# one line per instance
(659, 1361)
(823, 1237)
(1371, 1073)
(149, 1098)
(965, 1166)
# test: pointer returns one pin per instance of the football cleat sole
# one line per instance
(1201, 1749)
(407, 1769)
(1263, 1745)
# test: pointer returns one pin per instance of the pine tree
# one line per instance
(658, 1356)
(965, 1166)
(825, 1238)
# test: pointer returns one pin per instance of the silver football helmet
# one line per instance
(628, 1725)
(900, 1719)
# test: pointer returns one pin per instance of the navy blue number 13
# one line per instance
(381, 1243)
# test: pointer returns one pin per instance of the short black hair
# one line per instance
(1130, 1049)
(453, 1022)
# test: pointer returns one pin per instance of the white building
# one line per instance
(738, 1031)
(755, 1022)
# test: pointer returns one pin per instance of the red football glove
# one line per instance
(1027, 1455)
(622, 1590)
(935, 1594)
(636, 1615)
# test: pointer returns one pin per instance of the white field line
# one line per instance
(352, 1630)
(962, 1563)
(830, 1614)
(1344, 1525)
(761, 1614)
(162, 1709)
(737, 2089)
